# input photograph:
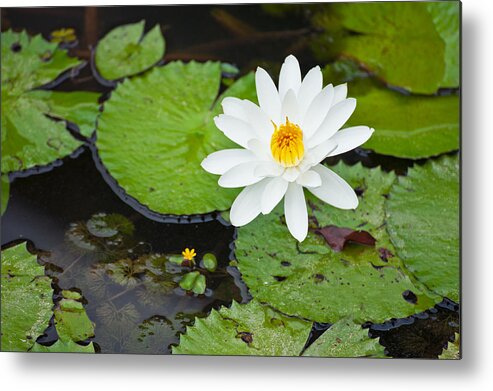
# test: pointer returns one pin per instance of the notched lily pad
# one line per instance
(125, 50)
(423, 223)
(32, 133)
(251, 329)
(311, 280)
(345, 339)
(26, 299)
(152, 140)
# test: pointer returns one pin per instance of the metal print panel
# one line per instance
(267, 180)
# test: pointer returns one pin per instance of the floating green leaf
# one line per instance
(312, 281)
(452, 352)
(60, 346)
(125, 51)
(5, 183)
(194, 282)
(423, 223)
(210, 262)
(153, 139)
(26, 299)
(251, 329)
(29, 136)
(402, 43)
(345, 339)
(71, 320)
(406, 126)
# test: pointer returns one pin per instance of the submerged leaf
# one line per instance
(26, 299)
(423, 223)
(152, 140)
(345, 339)
(125, 50)
(251, 329)
(311, 280)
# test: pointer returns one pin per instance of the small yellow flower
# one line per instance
(188, 254)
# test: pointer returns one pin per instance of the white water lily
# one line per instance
(284, 139)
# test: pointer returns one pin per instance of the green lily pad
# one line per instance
(32, 133)
(194, 282)
(423, 223)
(407, 44)
(157, 128)
(345, 339)
(250, 329)
(209, 262)
(26, 299)
(452, 352)
(60, 346)
(312, 281)
(125, 50)
(71, 320)
(5, 192)
(406, 126)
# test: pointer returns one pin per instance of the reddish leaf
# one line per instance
(337, 237)
(385, 254)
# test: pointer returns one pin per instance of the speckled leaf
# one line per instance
(250, 329)
(406, 126)
(452, 352)
(5, 192)
(423, 223)
(345, 339)
(80, 108)
(29, 137)
(26, 299)
(398, 42)
(125, 50)
(312, 281)
(71, 320)
(152, 140)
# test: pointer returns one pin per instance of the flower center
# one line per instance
(286, 144)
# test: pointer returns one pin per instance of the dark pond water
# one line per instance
(136, 309)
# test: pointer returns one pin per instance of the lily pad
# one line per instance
(250, 329)
(125, 50)
(26, 299)
(194, 282)
(60, 346)
(32, 133)
(311, 280)
(406, 126)
(5, 192)
(345, 339)
(423, 223)
(407, 44)
(71, 320)
(157, 128)
(452, 352)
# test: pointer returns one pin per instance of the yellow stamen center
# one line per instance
(188, 254)
(286, 144)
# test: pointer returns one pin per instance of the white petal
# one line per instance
(336, 118)
(236, 130)
(295, 211)
(221, 161)
(289, 108)
(247, 205)
(309, 179)
(340, 93)
(320, 152)
(350, 138)
(261, 150)
(259, 120)
(317, 111)
(234, 107)
(241, 175)
(291, 174)
(334, 190)
(289, 77)
(310, 88)
(268, 96)
(268, 169)
(273, 193)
